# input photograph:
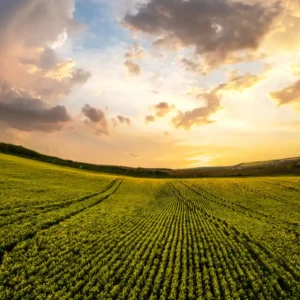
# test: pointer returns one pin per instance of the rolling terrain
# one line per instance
(72, 234)
(287, 166)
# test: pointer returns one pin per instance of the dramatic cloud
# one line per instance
(124, 120)
(133, 68)
(212, 99)
(96, 116)
(163, 108)
(216, 29)
(290, 94)
(19, 110)
(33, 23)
(199, 116)
(149, 119)
(284, 40)
(135, 51)
(30, 31)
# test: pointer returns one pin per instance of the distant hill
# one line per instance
(118, 170)
(287, 166)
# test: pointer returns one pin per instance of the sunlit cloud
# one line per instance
(132, 68)
(215, 81)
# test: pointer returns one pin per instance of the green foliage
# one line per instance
(70, 234)
(289, 166)
(118, 170)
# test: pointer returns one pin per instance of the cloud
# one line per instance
(30, 32)
(283, 38)
(238, 82)
(163, 108)
(212, 99)
(34, 23)
(120, 120)
(149, 119)
(216, 29)
(124, 120)
(61, 71)
(133, 68)
(20, 111)
(190, 65)
(96, 116)
(199, 116)
(135, 51)
(66, 71)
(289, 94)
(79, 76)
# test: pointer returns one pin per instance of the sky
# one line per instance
(151, 83)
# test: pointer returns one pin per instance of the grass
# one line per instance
(70, 234)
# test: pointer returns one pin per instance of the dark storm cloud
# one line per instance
(20, 111)
(216, 28)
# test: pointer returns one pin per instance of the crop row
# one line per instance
(21, 228)
(159, 241)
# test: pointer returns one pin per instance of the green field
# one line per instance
(71, 234)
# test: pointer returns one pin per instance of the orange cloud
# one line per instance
(149, 119)
(199, 116)
(238, 82)
(163, 108)
(289, 94)
(133, 68)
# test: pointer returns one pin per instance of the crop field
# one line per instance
(71, 234)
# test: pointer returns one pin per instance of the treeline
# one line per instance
(289, 166)
(119, 170)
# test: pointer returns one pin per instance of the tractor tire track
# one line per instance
(48, 224)
(62, 205)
